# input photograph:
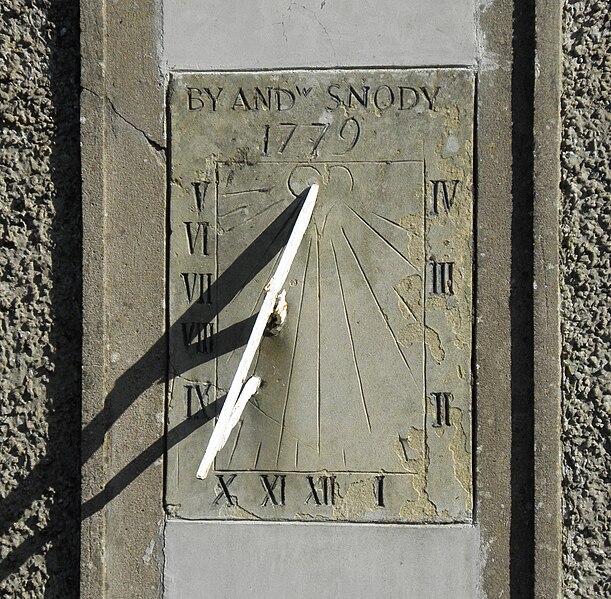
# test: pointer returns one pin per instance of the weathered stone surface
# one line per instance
(365, 412)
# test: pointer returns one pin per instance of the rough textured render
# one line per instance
(39, 299)
(586, 226)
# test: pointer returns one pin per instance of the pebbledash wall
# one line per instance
(586, 294)
(40, 257)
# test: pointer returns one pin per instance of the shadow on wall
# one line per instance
(149, 370)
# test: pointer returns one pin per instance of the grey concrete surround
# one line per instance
(320, 561)
(264, 34)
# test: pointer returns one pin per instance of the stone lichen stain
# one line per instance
(433, 342)
(358, 500)
(415, 460)
(460, 449)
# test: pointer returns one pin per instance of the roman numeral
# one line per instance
(271, 495)
(223, 490)
(322, 492)
(444, 193)
(197, 285)
(442, 278)
(379, 490)
(201, 333)
(199, 392)
(442, 409)
(197, 237)
(200, 188)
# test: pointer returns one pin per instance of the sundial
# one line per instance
(364, 409)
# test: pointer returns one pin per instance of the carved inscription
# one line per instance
(197, 237)
(442, 278)
(349, 422)
(200, 189)
(198, 336)
(444, 193)
(442, 409)
(276, 140)
(196, 398)
(197, 286)
(282, 99)
(379, 490)
(322, 490)
(273, 496)
(223, 493)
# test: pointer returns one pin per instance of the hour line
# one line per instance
(233, 211)
(257, 456)
(235, 193)
(318, 340)
(356, 364)
(390, 245)
(251, 218)
(288, 385)
(405, 304)
(254, 406)
(390, 222)
(235, 443)
(375, 299)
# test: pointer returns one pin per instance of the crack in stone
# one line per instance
(155, 145)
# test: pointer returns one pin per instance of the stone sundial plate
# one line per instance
(365, 410)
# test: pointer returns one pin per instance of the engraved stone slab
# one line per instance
(365, 410)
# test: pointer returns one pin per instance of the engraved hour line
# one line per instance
(390, 245)
(390, 222)
(318, 424)
(242, 191)
(254, 406)
(254, 308)
(404, 303)
(235, 442)
(257, 456)
(356, 364)
(288, 385)
(254, 216)
(233, 211)
(375, 299)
